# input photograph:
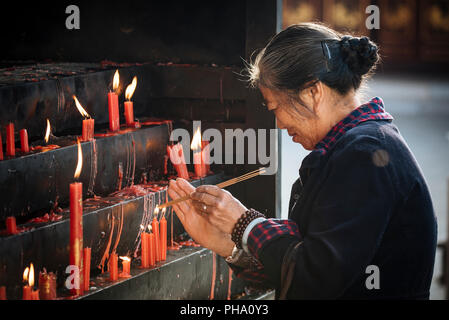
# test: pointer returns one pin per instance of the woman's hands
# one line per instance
(196, 223)
(220, 207)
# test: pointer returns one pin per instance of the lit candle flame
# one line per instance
(116, 81)
(150, 227)
(31, 276)
(156, 211)
(79, 165)
(25, 274)
(80, 108)
(142, 227)
(163, 212)
(47, 132)
(125, 258)
(196, 141)
(130, 89)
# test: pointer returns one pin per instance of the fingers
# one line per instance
(185, 186)
(173, 193)
(182, 208)
(210, 195)
(174, 185)
(205, 198)
(173, 190)
(201, 207)
(210, 189)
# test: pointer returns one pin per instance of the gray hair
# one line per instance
(305, 53)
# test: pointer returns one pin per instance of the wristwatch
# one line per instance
(235, 255)
(240, 258)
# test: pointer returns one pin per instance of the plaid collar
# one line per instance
(372, 110)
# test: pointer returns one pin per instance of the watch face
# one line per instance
(234, 255)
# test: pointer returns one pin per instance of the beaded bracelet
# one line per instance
(241, 224)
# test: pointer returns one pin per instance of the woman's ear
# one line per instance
(317, 96)
(313, 96)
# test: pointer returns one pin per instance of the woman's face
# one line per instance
(301, 123)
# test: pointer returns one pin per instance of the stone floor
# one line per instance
(420, 107)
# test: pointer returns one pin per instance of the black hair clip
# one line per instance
(326, 54)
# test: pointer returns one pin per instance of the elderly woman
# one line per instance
(361, 222)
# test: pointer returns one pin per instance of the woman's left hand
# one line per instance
(219, 206)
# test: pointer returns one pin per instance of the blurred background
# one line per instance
(413, 37)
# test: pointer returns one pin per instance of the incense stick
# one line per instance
(221, 185)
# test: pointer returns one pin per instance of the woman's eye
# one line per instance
(264, 104)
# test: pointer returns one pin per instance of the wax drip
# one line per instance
(166, 162)
(229, 284)
(128, 161)
(148, 208)
(93, 167)
(134, 162)
(53, 186)
(173, 245)
(108, 246)
(120, 176)
(214, 275)
(141, 227)
(169, 127)
(119, 234)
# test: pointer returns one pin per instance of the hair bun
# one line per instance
(360, 54)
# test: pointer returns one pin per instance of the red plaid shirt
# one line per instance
(271, 229)
(373, 110)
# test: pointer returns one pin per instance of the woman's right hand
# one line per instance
(197, 225)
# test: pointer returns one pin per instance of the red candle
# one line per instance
(76, 231)
(126, 267)
(113, 267)
(176, 155)
(86, 268)
(129, 113)
(151, 249)
(205, 156)
(144, 258)
(26, 292)
(47, 286)
(129, 109)
(2, 293)
(35, 294)
(163, 239)
(198, 164)
(1, 147)
(88, 123)
(10, 142)
(24, 141)
(76, 223)
(196, 146)
(114, 118)
(88, 129)
(11, 227)
(155, 225)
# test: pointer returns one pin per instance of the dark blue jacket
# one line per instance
(363, 203)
